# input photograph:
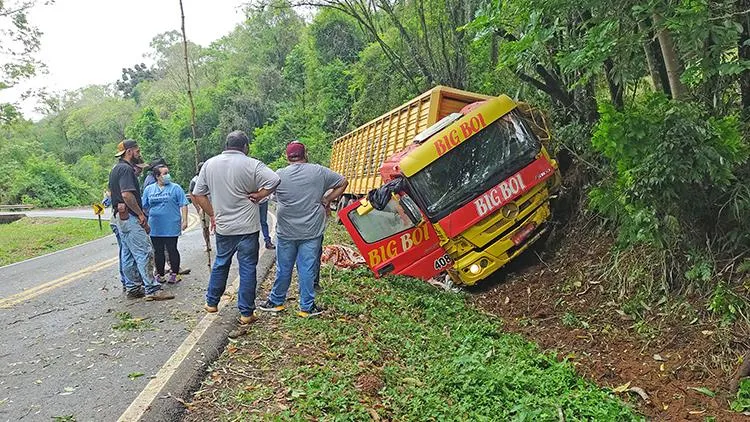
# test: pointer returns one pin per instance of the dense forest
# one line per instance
(649, 102)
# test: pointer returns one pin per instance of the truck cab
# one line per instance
(466, 197)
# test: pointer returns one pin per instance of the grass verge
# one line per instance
(393, 349)
(30, 237)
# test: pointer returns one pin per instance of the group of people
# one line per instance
(231, 189)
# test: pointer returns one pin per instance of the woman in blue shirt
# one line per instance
(167, 215)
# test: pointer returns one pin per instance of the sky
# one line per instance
(88, 42)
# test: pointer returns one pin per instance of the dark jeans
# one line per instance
(263, 210)
(304, 253)
(246, 247)
(170, 244)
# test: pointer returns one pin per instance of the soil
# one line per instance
(564, 302)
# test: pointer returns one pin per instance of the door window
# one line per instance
(380, 224)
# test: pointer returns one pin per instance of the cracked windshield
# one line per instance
(475, 165)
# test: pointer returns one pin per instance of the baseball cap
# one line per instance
(157, 162)
(295, 149)
(125, 145)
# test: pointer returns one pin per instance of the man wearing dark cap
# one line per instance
(300, 222)
(236, 184)
(136, 253)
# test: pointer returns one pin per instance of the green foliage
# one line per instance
(671, 165)
(148, 130)
(47, 182)
(126, 322)
(742, 402)
(725, 304)
(420, 353)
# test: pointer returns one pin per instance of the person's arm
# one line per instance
(144, 200)
(184, 212)
(200, 195)
(335, 194)
(259, 195)
(132, 203)
(337, 183)
(267, 180)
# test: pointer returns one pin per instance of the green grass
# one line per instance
(437, 358)
(30, 237)
(394, 349)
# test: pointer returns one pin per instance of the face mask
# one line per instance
(167, 178)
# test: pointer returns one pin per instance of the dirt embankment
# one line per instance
(666, 358)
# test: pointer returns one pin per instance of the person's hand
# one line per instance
(255, 196)
(184, 225)
(147, 228)
(213, 225)
(142, 220)
(326, 207)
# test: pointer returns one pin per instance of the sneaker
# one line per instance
(269, 306)
(270, 245)
(210, 309)
(136, 293)
(313, 311)
(244, 320)
(160, 278)
(174, 278)
(159, 295)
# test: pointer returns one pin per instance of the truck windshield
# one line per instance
(474, 166)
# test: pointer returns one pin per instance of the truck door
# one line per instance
(391, 241)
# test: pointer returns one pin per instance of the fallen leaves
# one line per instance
(703, 390)
(134, 375)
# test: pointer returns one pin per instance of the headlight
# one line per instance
(475, 269)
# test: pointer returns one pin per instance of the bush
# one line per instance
(47, 182)
(673, 169)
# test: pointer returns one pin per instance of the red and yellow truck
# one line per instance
(451, 183)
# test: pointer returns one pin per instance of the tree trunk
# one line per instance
(648, 51)
(493, 51)
(615, 89)
(206, 236)
(744, 55)
(671, 62)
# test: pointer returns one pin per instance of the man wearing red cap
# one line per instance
(300, 222)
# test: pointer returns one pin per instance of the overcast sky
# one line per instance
(89, 41)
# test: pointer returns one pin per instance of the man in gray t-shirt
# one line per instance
(300, 222)
(236, 184)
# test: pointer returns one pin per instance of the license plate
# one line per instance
(522, 234)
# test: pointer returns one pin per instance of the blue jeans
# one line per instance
(246, 246)
(123, 278)
(263, 209)
(306, 254)
(137, 255)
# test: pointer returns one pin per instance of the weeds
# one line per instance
(742, 402)
(725, 304)
(128, 323)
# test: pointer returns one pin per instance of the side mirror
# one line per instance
(411, 209)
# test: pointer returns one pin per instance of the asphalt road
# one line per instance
(61, 354)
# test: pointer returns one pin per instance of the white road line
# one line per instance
(142, 403)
